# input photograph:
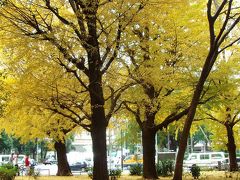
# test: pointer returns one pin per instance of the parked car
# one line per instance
(49, 161)
(226, 164)
(132, 160)
(79, 166)
(207, 159)
(4, 159)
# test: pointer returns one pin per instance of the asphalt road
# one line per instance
(51, 170)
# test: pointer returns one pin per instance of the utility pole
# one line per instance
(121, 149)
(168, 141)
(208, 141)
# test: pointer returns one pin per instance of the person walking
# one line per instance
(15, 162)
(27, 164)
(11, 159)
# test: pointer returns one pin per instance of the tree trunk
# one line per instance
(43, 152)
(99, 150)
(99, 122)
(63, 166)
(98, 118)
(190, 116)
(35, 150)
(231, 146)
(186, 130)
(149, 152)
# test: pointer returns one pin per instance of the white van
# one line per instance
(207, 159)
(4, 159)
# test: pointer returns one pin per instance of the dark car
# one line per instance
(49, 161)
(78, 166)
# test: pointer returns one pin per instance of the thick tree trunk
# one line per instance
(63, 166)
(231, 146)
(98, 119)
(99, 150)
(99, 122)
(149, 152)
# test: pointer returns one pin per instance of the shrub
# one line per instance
(90, 172)
(165, 168)
(7, 172)
(8, 166)
(33, 173)
(159, 168)
(115, 173)
(136, 169)
(195, 170)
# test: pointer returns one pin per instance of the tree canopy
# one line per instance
(72, 64)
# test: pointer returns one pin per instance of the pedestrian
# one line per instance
(27, 164)
(15, 162)
(11, 159)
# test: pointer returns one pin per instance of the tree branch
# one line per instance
(116, 49)
(135, 113)
(114, 98)
(171, 118)
(65, 21)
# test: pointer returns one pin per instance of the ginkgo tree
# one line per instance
(41, 86)
(85, 37)
(160, 61)
(29, 96)
(223, 19)
(223, 109)
(53, 129)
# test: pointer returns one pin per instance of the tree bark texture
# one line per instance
(63, 166)
(149, 152)
(231, 146)
(99, 150)
(99, 122)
